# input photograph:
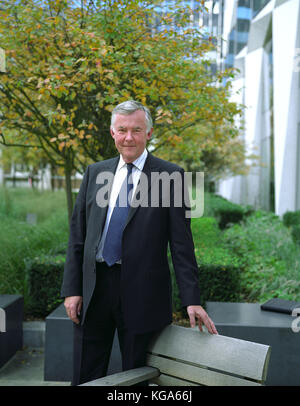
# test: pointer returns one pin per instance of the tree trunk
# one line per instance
(68, 189)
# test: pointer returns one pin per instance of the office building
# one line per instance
(264, 44)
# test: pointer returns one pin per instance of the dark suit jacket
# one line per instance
(145, 276)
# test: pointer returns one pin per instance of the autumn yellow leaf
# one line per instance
(61, 146)
(109, 108)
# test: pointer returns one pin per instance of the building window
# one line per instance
(243, 25)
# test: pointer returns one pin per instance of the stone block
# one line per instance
(248, 322)
(11, 340)
(59, 348)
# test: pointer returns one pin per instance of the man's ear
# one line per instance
(112, 133)
(149, 134)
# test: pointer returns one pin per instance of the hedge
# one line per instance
(224, 211)
(219, 270)
(43, 276)
(291, 219)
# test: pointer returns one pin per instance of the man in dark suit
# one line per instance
(116, 273)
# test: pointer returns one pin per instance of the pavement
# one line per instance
(26, 367)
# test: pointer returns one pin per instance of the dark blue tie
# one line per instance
(112, 249)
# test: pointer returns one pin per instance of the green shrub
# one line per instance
(20, 241)
(224, 211)
(210, 248)
(296, 233)
(270, 258)
(219, 283)
(43, 283)
(219, 270)
(291, 218)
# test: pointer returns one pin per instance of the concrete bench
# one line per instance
(59, 348)
(11, 326)
(182, 356)
(247, 321)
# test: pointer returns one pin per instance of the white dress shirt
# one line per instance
(119, 178)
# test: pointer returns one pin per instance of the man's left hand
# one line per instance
(196, 311)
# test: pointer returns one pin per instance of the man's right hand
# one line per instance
(73, 305)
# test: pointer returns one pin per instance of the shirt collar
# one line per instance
(138, 163)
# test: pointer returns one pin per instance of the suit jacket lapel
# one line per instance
(148, 168)
(110, 166)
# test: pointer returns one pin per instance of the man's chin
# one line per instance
(129, 154)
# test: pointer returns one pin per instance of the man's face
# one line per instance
(130, 134)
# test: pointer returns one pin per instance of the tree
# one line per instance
(69, 64)
(213, 150)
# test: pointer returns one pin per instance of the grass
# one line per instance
(20, 240)
(17, 202)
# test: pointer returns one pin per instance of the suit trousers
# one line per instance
(93, 340)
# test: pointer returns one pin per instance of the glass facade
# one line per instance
(258, 5)
(210, 22)
(238, 38)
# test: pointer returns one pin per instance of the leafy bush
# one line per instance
(296, 233)
(271, 260)
(219, 270)
(21, 241)
(43, 282)
(291, 218)
(219, 283)
(224, 211)
(209, 246)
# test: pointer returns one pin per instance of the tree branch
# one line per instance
(16, 145)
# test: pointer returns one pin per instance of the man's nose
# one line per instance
(129, 135)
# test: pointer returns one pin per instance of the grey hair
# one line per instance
(129, 107)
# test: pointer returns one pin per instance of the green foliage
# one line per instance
(260, 247)
(296, 233)
(209, 246)
(70, 63)
(21, 241)
(226, 212)
(43, 282)
(17, 202)
(254, 260)
(292, 219)
(270, 258)
(65, 56)
(219, 269)
(219, 283)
